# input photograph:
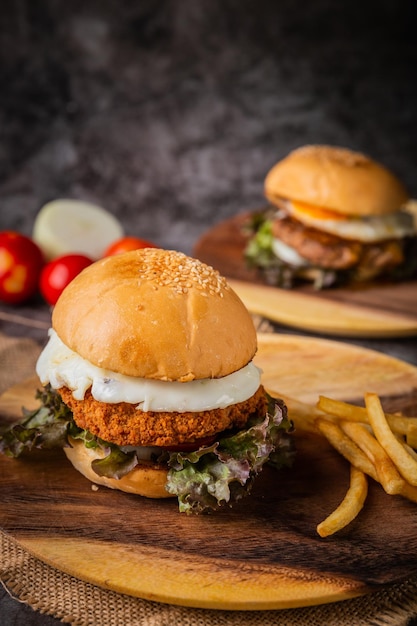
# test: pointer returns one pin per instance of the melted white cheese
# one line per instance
(61, 367)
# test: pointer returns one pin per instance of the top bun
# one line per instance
(338, 179)
(157, 314)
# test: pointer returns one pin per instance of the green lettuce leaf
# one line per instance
(222, 473)
(44, 427)
(115, 464)
(259, 250)
(203, 480)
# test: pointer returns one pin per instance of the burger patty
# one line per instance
(329, 251)
(125, 425)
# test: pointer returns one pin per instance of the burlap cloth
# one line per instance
(75, 602)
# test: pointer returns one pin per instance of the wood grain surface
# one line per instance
(373, 310)
(264, 552)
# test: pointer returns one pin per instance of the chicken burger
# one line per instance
(149, 384)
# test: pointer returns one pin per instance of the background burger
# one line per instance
(150, 386)
(334, 216)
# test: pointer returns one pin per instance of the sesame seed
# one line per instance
(169, 268)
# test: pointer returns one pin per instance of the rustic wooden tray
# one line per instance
(263, 553)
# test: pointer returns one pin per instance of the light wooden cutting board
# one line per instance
(264, 552)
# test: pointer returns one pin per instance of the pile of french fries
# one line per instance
(378, 445)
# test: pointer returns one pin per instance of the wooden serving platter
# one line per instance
(376, 310)
(264, 553)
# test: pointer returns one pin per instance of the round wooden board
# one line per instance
(264, 553)
(361, 310)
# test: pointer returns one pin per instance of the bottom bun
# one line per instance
(145, 479)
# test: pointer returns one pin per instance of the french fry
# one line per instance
(411, 435)
(386, 472)
(346, 446)
(350, 506)
(380, 445)
(410, 450)
(409, 492)
(341, 409)
(398, 423)
(405, 463)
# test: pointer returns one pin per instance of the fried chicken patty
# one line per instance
(332, 252)
(123, 424)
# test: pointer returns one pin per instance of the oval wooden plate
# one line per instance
(264, 553)
(367, 310)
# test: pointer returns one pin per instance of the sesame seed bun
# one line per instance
(336, 178)
(158, 314)
(146, 479)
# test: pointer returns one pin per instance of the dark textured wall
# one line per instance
(169, 113)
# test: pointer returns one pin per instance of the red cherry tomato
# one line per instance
(126, 244)
(57, 274)
(21, 261)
